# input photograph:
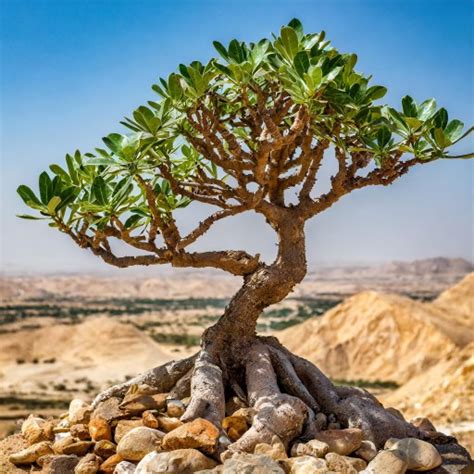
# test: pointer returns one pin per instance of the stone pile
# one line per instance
(143, 434)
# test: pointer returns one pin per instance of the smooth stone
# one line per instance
(69, 445)
(183, 461)
(99, 429)
(315, 448)
(198, 433)
(276, 450)
(420, 455)
(342, 442)
(387, 462)
(344, 464)
(35, 429)
(125, 467)
(124, 426)
(32, 453)
(105, 448)
(150, 420)
(108, 466)
(89, 464)
(167, 424)
(62, 464)
(137, 403)
(367, 450)
(80, 431)
(175, 408)
(109, 410)
(79, 412)
(235, 426)
(137, 443)
(306, 465)
(247, 413)
(245, 463)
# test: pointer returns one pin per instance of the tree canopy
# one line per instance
(238, 133)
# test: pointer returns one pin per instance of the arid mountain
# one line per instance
(429, 266)
(459, 299)
(377, 336)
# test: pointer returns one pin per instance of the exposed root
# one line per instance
(285, 391)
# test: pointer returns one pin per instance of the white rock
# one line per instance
(125, 467)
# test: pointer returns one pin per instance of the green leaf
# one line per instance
(58, 171)
(454, 130)
(439, 137)
(383, 136)
(440, 119)
(28, 195)
(72, 169)
(33, 218)
(301, 62)
(114, 141)
(409, 106)
(99, 190)
(45, 187)
(220, 48)
(297, 26)
(289, 39)
(53, 204)
(426, 109)
(375, 92)
(174, 87)
(236, 51)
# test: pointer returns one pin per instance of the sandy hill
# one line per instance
(376, 336)
(459, 299)
(99, 348)
(444, 393)
(429, 266)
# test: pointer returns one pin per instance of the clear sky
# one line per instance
(72, 69)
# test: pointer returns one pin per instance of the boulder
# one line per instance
(137, 443)
(30, 454)
(235, 426)
(105, 448)
(198, 433)
(169, 424)
(184, 461)
(367, 450)
(99, 429)
(79, 412)
(61, 464)
(175, 408)
(276, 450)
(125, 467)
(314, 448)
(124, 426)
(89, 464)
(387, 462)
(306, 465)
(342, 442)
(245, 463)
(419, 455)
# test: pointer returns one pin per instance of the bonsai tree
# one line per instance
(247, 132)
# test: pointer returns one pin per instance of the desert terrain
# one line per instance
(404, 330)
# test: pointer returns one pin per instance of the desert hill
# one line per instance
(429, 266)
(377, 336)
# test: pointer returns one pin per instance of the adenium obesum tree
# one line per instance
(247, 132)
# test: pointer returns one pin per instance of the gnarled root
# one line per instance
(286, 392)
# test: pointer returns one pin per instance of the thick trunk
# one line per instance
(268, 285)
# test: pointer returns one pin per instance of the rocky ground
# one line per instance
(142, 434)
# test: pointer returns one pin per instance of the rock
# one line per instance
(320, 421)
(423, 424)
(344, 464)
(89, 464)
(69, 445)
(62, 426)
(420, 455)
(306, 465)
(276, 450)
(175, 408)
(367, 450)
(234, 404)
(109, 410)
(137, 403)
(125, 467)
(108, 466)
(105, 448)
(32, 453)
(387, 462)
(150, 420)
(62, 464)
(198, 433)
(314, 448)
(79, 412)
(342, 442)
(124, 426)
(235, 426)
(139, 442)
(334, 426)
(33, 430)
(183, 461)
(99, 429)
(244, 463)
(80, 431)
(247, 413)
(169, 424)
(396, 413)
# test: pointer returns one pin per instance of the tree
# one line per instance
(246, 132)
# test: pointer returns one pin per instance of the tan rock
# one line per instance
(235, 426)
(234, 404)
(89, 464)
(33, 430)
(137, 403)
(175, 408)
(124, 426)
(99, 429)
(247, 413)
(139, 442)
(61, 464)
(183, 461)
(420, 455)
(80, 431)
(79, 412)
(342, 442)
(105, 448)
(344, 464)
(246, 463)
(108, 466)
(109, 410)
(32, 453)
(387, 462)
(150, 420)
(125, 467)
(167, 424)
(367, 450)
(276, 450)
(315, 448)
(79, 448)
(306, 465)
(198, 433)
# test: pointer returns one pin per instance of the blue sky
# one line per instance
(72, 69)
